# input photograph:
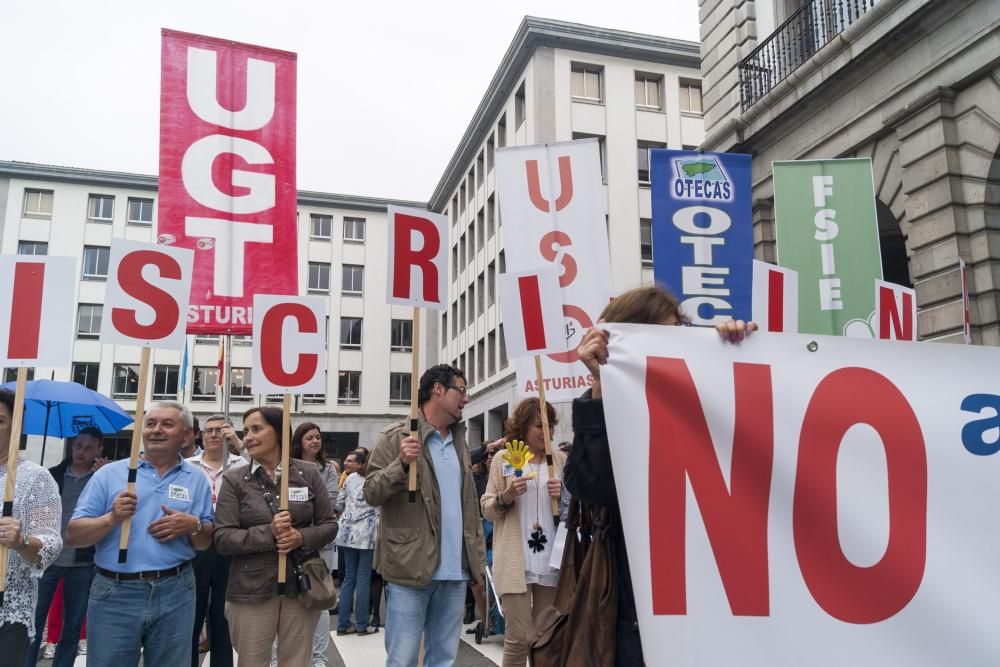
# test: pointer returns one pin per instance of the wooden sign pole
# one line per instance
(545, 430)
(286, 446)
(133, 463)
(13, 449)
(414, 404)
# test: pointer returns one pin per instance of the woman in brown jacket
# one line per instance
(250, 528)
(523, 529)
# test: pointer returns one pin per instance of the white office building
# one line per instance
(342, 246)
(558, 81)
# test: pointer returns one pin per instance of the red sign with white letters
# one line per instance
(227, 174)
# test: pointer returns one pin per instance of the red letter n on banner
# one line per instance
(271, 344)
(165, 308)
(681, 449)
(26, 306)
(846, 591)
(405, 257)
(895, 322)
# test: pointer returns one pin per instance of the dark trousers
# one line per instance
(76, 591)
(211, 572)
(14, 640)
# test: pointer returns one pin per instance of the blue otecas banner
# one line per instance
(703, 232)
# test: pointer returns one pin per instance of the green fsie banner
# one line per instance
(826, 229)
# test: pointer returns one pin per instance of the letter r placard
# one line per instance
(418, 258)
(149, 287)
(289, 344)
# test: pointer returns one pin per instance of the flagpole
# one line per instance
(414, 402)
(226, 392)
(133, 464)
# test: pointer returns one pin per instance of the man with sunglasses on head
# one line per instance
(428, 549)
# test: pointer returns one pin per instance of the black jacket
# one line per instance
(83, 554)
(588, 476)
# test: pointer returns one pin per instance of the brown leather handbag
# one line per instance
(579, 629)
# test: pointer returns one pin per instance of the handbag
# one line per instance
(579, 628)
(311, 581)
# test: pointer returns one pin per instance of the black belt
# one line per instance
(146, 574)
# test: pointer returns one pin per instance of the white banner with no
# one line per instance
(807, 500)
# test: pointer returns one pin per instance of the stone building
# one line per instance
(912, 84)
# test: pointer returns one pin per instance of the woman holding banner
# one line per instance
(589, 477)
(32, 539)
(517, 502)
(251, 528)
(307, 445)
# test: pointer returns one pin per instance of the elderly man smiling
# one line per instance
(148, 602)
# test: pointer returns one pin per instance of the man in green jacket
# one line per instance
(430, 548)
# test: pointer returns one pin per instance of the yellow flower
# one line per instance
(516, 454)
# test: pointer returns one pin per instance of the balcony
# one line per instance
(805, 32)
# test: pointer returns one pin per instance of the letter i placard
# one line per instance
(145, 305)
(418, 277)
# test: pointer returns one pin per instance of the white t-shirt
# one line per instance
(536, 507)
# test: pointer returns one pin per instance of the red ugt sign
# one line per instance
(227, 174)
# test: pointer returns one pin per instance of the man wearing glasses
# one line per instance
(429, 549)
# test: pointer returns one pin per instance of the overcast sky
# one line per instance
(385, 89)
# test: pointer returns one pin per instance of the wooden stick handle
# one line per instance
(133, 462)
(545, 429)
(286, 446)
(13, 448)
(414, 405)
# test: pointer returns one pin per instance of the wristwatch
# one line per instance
(197, 528)
(25, 542)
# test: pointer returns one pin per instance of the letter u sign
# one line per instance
(565, 184)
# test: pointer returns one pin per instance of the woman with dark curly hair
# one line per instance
(520, 507)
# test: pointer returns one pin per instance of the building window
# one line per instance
(240, 388)
(502, 131)
(454, 319)
(491, 351)
(207, 338)
(320, 226)
(242, 341)
(401, 338)
(444, 329)
(315, 399)
(37, 204)
(354, 279)
(471, 239)
(32, 248)
(585, 82)
(319, 277)
(471, 304)
(205, 383)
(480, 229)
(503, 350)
(454, 262)
(165, 383)
(140, 211)
(350, 333)
(101, 208)
(88, 320)
(481, 359)
(10, 375)
(490, 152)
(354, 230)
(691, 96)
(349, 388)
(491, 283)
(95, 262)
(461, 198)
(602, 153)
(399, 388)
(454, 209)
(461, 256)
(491, 221)
(461, 311)
(86, 374)
(520, 105)
(480, 293)
(643, 158)
(126, 382)
(502, 258)
(647, 91)
(646, 241)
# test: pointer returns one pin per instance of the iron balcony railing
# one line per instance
(795, 41)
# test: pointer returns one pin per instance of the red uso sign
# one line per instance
(227, 174)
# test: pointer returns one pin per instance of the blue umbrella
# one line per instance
(63, 409)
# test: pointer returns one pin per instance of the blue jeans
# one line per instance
(76, 590)
(155, 616)
(357, 581)
(433, 611)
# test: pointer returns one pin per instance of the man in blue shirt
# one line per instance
(146, 603)
(430, 548)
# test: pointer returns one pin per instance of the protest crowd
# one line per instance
(206, 533)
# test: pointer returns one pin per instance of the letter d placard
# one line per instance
(289, 344)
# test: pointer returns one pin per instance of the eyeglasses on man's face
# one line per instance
(461, 390)
(211, 431)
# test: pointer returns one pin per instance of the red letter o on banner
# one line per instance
(271, 344)
(165, 308)
(850, 593)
